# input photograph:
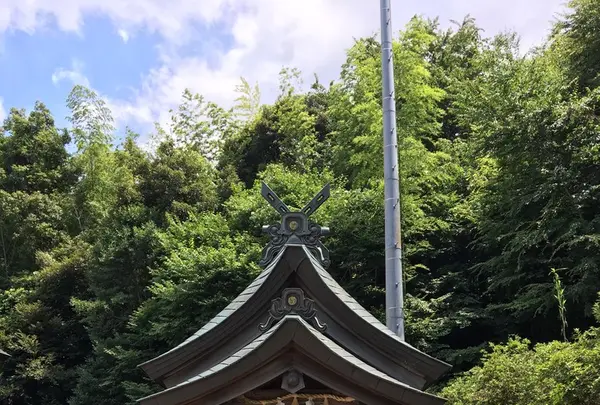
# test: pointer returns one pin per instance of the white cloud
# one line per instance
(124, 35)
(267, 34)
(170, 19)
(313, 35)
(74, 74)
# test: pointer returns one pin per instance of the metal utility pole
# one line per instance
(394, 294)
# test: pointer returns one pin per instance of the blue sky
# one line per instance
(28, 64)
(141, 54)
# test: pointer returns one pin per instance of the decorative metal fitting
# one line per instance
(292, 381)
(295, 227)
(292, 301)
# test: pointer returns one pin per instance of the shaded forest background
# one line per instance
(111, 253)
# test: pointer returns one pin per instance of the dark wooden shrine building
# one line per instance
(294, 336)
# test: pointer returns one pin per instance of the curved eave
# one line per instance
(292, 343)
(364, 324)
(324, 288)
(226, 321)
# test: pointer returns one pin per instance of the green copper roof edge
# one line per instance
(440, 366)
(264, 337)
(333, 285)
(271, 334)
(263, 276)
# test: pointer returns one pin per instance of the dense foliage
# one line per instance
(110, 255)
(555, 373)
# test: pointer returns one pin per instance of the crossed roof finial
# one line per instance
(308, 209)
(295, 227)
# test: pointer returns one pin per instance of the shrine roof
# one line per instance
(269, 282)
(294, 333)
(295, 257)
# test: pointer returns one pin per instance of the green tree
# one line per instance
(92, 129)
(576, 40)
(33, 153)
(35, 174)
(538, 211)
(38, 326)
(203, 268)
(285, 132)
(248, 101)
(199, 124)
(556, 373)
(178, 181)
